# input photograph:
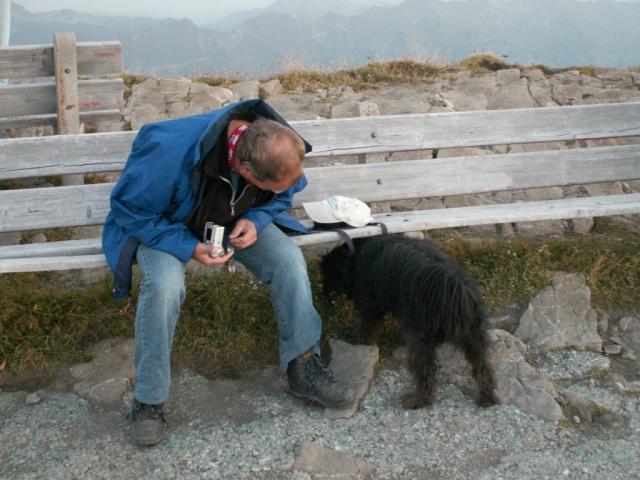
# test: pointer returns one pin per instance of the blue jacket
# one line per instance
(159, 189)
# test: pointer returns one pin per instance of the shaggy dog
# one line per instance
(434, 298)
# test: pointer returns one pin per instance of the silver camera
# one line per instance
(213, 235)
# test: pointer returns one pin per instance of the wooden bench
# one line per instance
(81, 205)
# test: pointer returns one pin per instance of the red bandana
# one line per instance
(233, 144)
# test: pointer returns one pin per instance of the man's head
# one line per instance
(270, 155)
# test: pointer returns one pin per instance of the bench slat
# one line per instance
(397, 223)
(94, 58)
(89, 204)
(52, 119)
(40, 98)
(474, 174)
(89, 246)
(85, 153)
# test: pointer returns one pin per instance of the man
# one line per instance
(238, 167)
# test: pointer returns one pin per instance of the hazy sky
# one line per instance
(197, 10)
(149, 8)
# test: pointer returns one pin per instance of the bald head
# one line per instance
(271, 152)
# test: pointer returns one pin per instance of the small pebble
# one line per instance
(32, 399)
(576, 419)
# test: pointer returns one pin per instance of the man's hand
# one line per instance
(244, 234)
(202, 254)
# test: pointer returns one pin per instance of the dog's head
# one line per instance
(337, 270)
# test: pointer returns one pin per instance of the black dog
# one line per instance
(434, 298)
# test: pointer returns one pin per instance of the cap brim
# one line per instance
(319, 212)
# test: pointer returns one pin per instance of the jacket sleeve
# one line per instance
(281, 202)
(144, 193)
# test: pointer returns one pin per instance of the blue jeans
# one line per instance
(273, 258)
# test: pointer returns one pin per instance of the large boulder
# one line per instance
(560, 316)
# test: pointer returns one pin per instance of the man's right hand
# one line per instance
(202, 254)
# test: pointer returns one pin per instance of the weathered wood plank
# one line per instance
(65, 65)
(40, 98)
(94, 58)
(70, 206)
(89, 246)
(417, 220)
(476, 174)
(90, 154)
(393, 133)
(52, 119)
(45, 264)
(88, 205)
(397, 223)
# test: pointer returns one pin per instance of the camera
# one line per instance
(213, 235)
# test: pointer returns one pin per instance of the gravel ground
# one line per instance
(251, 429)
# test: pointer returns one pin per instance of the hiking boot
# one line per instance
(310, 378)
(147, 423)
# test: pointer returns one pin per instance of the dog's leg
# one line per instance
(475, 351)
(423, 365)
(371, 317)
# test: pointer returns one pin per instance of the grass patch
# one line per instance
(227, 326)
(218, 80)
(372, 75)
(482, 63)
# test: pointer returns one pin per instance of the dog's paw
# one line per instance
(488, 399)
(411, 401)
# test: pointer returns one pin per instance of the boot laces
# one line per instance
(316, 370)
(142, 410)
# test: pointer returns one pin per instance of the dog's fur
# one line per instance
(433, 296)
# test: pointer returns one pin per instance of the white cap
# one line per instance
(339, 209)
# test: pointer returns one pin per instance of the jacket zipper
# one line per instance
(234, 200)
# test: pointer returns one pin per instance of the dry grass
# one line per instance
(227, 326)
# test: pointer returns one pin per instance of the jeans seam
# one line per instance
(145, 265)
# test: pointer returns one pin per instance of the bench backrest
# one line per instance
(43, 78)
(88, 204)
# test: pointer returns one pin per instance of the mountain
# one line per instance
(554, 32)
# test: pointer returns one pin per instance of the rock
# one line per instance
(354, 109)
(245, 90)
(32, 398)
(539, 194)
(39, 238)
(612, 349)
(629, 328)
(560, 317)
(569, 94)
(579, 406)
(146, 93)
(175, 90)
(537, 230)
(321, 462)
(147, 113)
(604, 188)
(518, 382)
(462, 152)
(204, 98)
(352, 365)
(582, 225)
(109, 375)
(10, 238)
(270, 88)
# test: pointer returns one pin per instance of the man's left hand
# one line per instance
(244, 234)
